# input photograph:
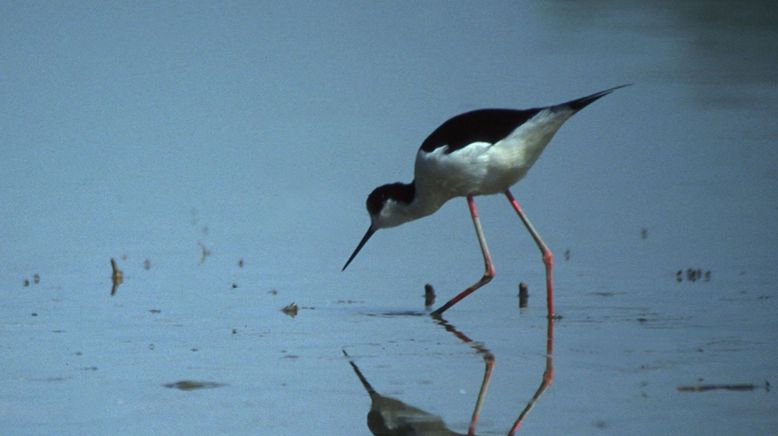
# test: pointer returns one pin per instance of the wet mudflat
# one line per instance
(157, 360)
(226, 175)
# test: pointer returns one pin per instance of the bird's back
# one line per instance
(482, 125)
(483, 152)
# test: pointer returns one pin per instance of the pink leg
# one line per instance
(548, 257)
(489, 268)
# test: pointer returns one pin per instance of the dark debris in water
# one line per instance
(190, 385)
(744, 387)
(429, 295)
(204, 251)
(399, 313)
(50, 379)
(655, 320)
(523, 295)
(692, 275)
(36, 279)
(606, 293)
(290, 309)
(117, 276)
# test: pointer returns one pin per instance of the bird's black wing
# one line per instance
(483, 125)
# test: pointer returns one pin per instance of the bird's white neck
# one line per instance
(396, 211)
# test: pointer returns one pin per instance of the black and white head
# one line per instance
(388, 206)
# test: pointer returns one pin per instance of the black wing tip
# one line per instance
(582, 102)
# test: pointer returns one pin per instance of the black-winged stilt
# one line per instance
(481, 152)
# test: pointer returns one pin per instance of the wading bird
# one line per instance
(481, 152)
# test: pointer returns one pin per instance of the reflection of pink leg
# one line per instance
(545, 382)
(489, 365)
(548, 257)
(489, 360)
(489, 268)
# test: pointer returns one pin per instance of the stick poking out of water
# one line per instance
(117, 276)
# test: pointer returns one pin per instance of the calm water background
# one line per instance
(135, 131)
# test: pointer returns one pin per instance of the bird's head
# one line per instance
(388, 207)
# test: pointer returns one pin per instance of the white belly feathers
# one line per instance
(482, 168)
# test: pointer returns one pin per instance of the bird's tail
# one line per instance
(582, 102)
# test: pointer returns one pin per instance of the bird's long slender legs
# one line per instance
(548, 257)
(488, 267)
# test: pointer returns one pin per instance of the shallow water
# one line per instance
(153, 135)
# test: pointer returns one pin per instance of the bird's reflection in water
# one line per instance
(389, 416)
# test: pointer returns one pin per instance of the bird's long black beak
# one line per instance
(367, 236)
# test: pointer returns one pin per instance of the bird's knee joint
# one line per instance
(548, 257)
